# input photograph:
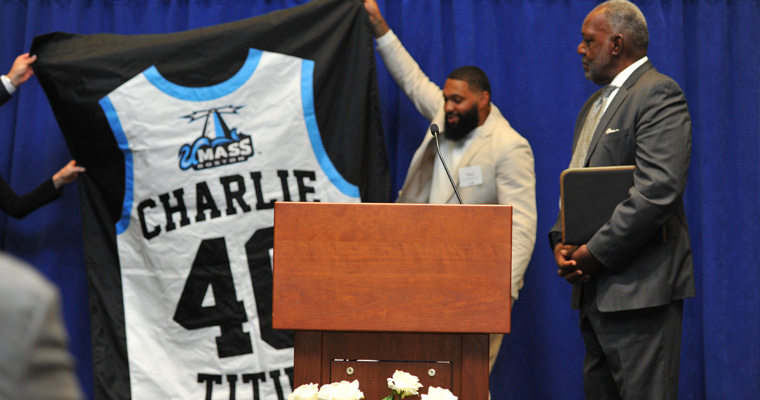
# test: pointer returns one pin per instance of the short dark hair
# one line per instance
(474, 76)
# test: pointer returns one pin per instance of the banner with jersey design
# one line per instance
(189, 139)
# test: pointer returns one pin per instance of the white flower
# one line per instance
(404, 383)
(436, 393)
(304, 392)
(342, 390)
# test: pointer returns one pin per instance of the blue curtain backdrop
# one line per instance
(527, 47)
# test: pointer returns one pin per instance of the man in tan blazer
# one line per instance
(489, 161)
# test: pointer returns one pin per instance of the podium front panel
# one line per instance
(392, 267)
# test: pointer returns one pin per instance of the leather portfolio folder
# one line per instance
(589, 197)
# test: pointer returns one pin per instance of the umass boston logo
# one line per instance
(217, 144)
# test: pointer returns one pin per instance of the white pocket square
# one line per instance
(610, 130)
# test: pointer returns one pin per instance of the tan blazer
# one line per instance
(504, 157)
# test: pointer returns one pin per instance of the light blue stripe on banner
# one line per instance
(307, 97)
(209, 92)
(121, 139)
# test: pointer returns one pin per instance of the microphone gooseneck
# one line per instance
(434, 132)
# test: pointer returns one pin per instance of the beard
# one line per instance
(467, 122)
(596, 68)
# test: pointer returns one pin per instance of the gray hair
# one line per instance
(626, 18)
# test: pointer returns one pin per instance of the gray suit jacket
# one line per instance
(34, 360)
(648, 125)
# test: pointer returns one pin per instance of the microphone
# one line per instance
(434, 132)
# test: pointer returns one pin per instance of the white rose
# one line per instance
(342, 390)
(305, 392)
(404, 383)
(436, 393)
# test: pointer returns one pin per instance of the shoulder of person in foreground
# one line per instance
(34, 337)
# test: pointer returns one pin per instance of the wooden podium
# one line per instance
(372, 288)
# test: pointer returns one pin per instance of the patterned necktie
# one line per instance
(589, 126)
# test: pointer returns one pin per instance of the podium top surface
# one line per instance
(392, 267)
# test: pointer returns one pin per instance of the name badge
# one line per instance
(470, 176)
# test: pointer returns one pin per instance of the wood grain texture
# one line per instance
(392, 267)
(307, 358)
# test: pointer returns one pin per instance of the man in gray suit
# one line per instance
(628, 280)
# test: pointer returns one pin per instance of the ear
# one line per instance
(484, 99)
(618, 43)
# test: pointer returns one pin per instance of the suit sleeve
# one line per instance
(516, 186)
(426, 95)
(19, 206)
(662, 156)
(4, 95)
